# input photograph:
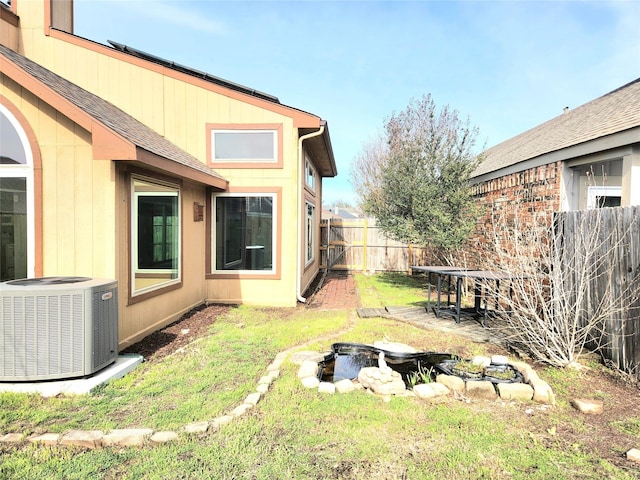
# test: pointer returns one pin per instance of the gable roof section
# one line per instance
(193, 72)
(115, 134)
(613, 113)
(304, 121)
(320, 147)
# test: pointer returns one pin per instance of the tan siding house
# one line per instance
(184, 187)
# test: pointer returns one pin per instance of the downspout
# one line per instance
(301, 224)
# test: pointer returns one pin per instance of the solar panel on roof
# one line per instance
(193, 72)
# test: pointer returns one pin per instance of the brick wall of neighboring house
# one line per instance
(522, 200)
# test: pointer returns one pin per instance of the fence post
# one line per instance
(365, 234)
(410, 259)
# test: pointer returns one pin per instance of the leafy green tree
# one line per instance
(414, 178)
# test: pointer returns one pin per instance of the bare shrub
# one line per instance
(567, 294)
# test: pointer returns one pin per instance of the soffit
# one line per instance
(320, 150)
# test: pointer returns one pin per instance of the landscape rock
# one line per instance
(197, 427)
(83, 438)
(424, 391)
(265, 380)
(126, 437)
(515, 391)
(310, 382)
(542, 392)
(163, 437)
(451, 382)
(633, 455)
(12, 438)
(499, 360)
(480, 360)
(440, 389)
(430, 390)
(46, 438)
(308, 368)
(253, 398)
(299, 358)
(220, 421)
(595, 407)
(525, 369)
(344, 386)
(382, 381)
(481, 390)
(327, 387)
(241, 409)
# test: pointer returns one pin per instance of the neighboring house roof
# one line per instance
(345, 213)
(615, 112)
(149, 147)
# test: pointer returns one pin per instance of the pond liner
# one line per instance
(347, 359)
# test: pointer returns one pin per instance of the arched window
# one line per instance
(17, 231)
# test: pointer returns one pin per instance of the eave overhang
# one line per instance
(321, 150)
(107, 143)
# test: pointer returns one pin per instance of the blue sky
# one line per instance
(507, 65)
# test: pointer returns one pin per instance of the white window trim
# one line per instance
(273, 159)
(593, 192)
(134, 235)
(308, 167)
(309, 260)
(274, 233)
(24, 171)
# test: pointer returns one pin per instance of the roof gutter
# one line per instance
(301, 168)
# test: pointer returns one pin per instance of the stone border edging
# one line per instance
(533, 388)
(129, 437)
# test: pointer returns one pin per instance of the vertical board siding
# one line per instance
(615, 276)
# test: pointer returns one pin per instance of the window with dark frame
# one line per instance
(244, 232)
(155, 234)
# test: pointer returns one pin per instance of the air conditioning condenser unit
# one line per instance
(57, 327)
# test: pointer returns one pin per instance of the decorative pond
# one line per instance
(347, 359)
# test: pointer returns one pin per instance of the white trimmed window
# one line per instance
(310, 236)
(155, 235)
(310, 174)
(244, 146)
(17, 226)
(600, 197)
(245, 232)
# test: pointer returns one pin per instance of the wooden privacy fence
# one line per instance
(614, 275)
(361, 246)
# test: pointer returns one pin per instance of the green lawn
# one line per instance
(295, 433)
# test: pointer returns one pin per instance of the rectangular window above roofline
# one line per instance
(244, 145)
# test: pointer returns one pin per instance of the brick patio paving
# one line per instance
(338, 292)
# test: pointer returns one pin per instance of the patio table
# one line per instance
(482, 280)
(440, 271)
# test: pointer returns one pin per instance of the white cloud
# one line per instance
(182, 14)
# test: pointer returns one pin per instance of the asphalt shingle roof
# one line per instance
(109, 115)
(612, 113)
